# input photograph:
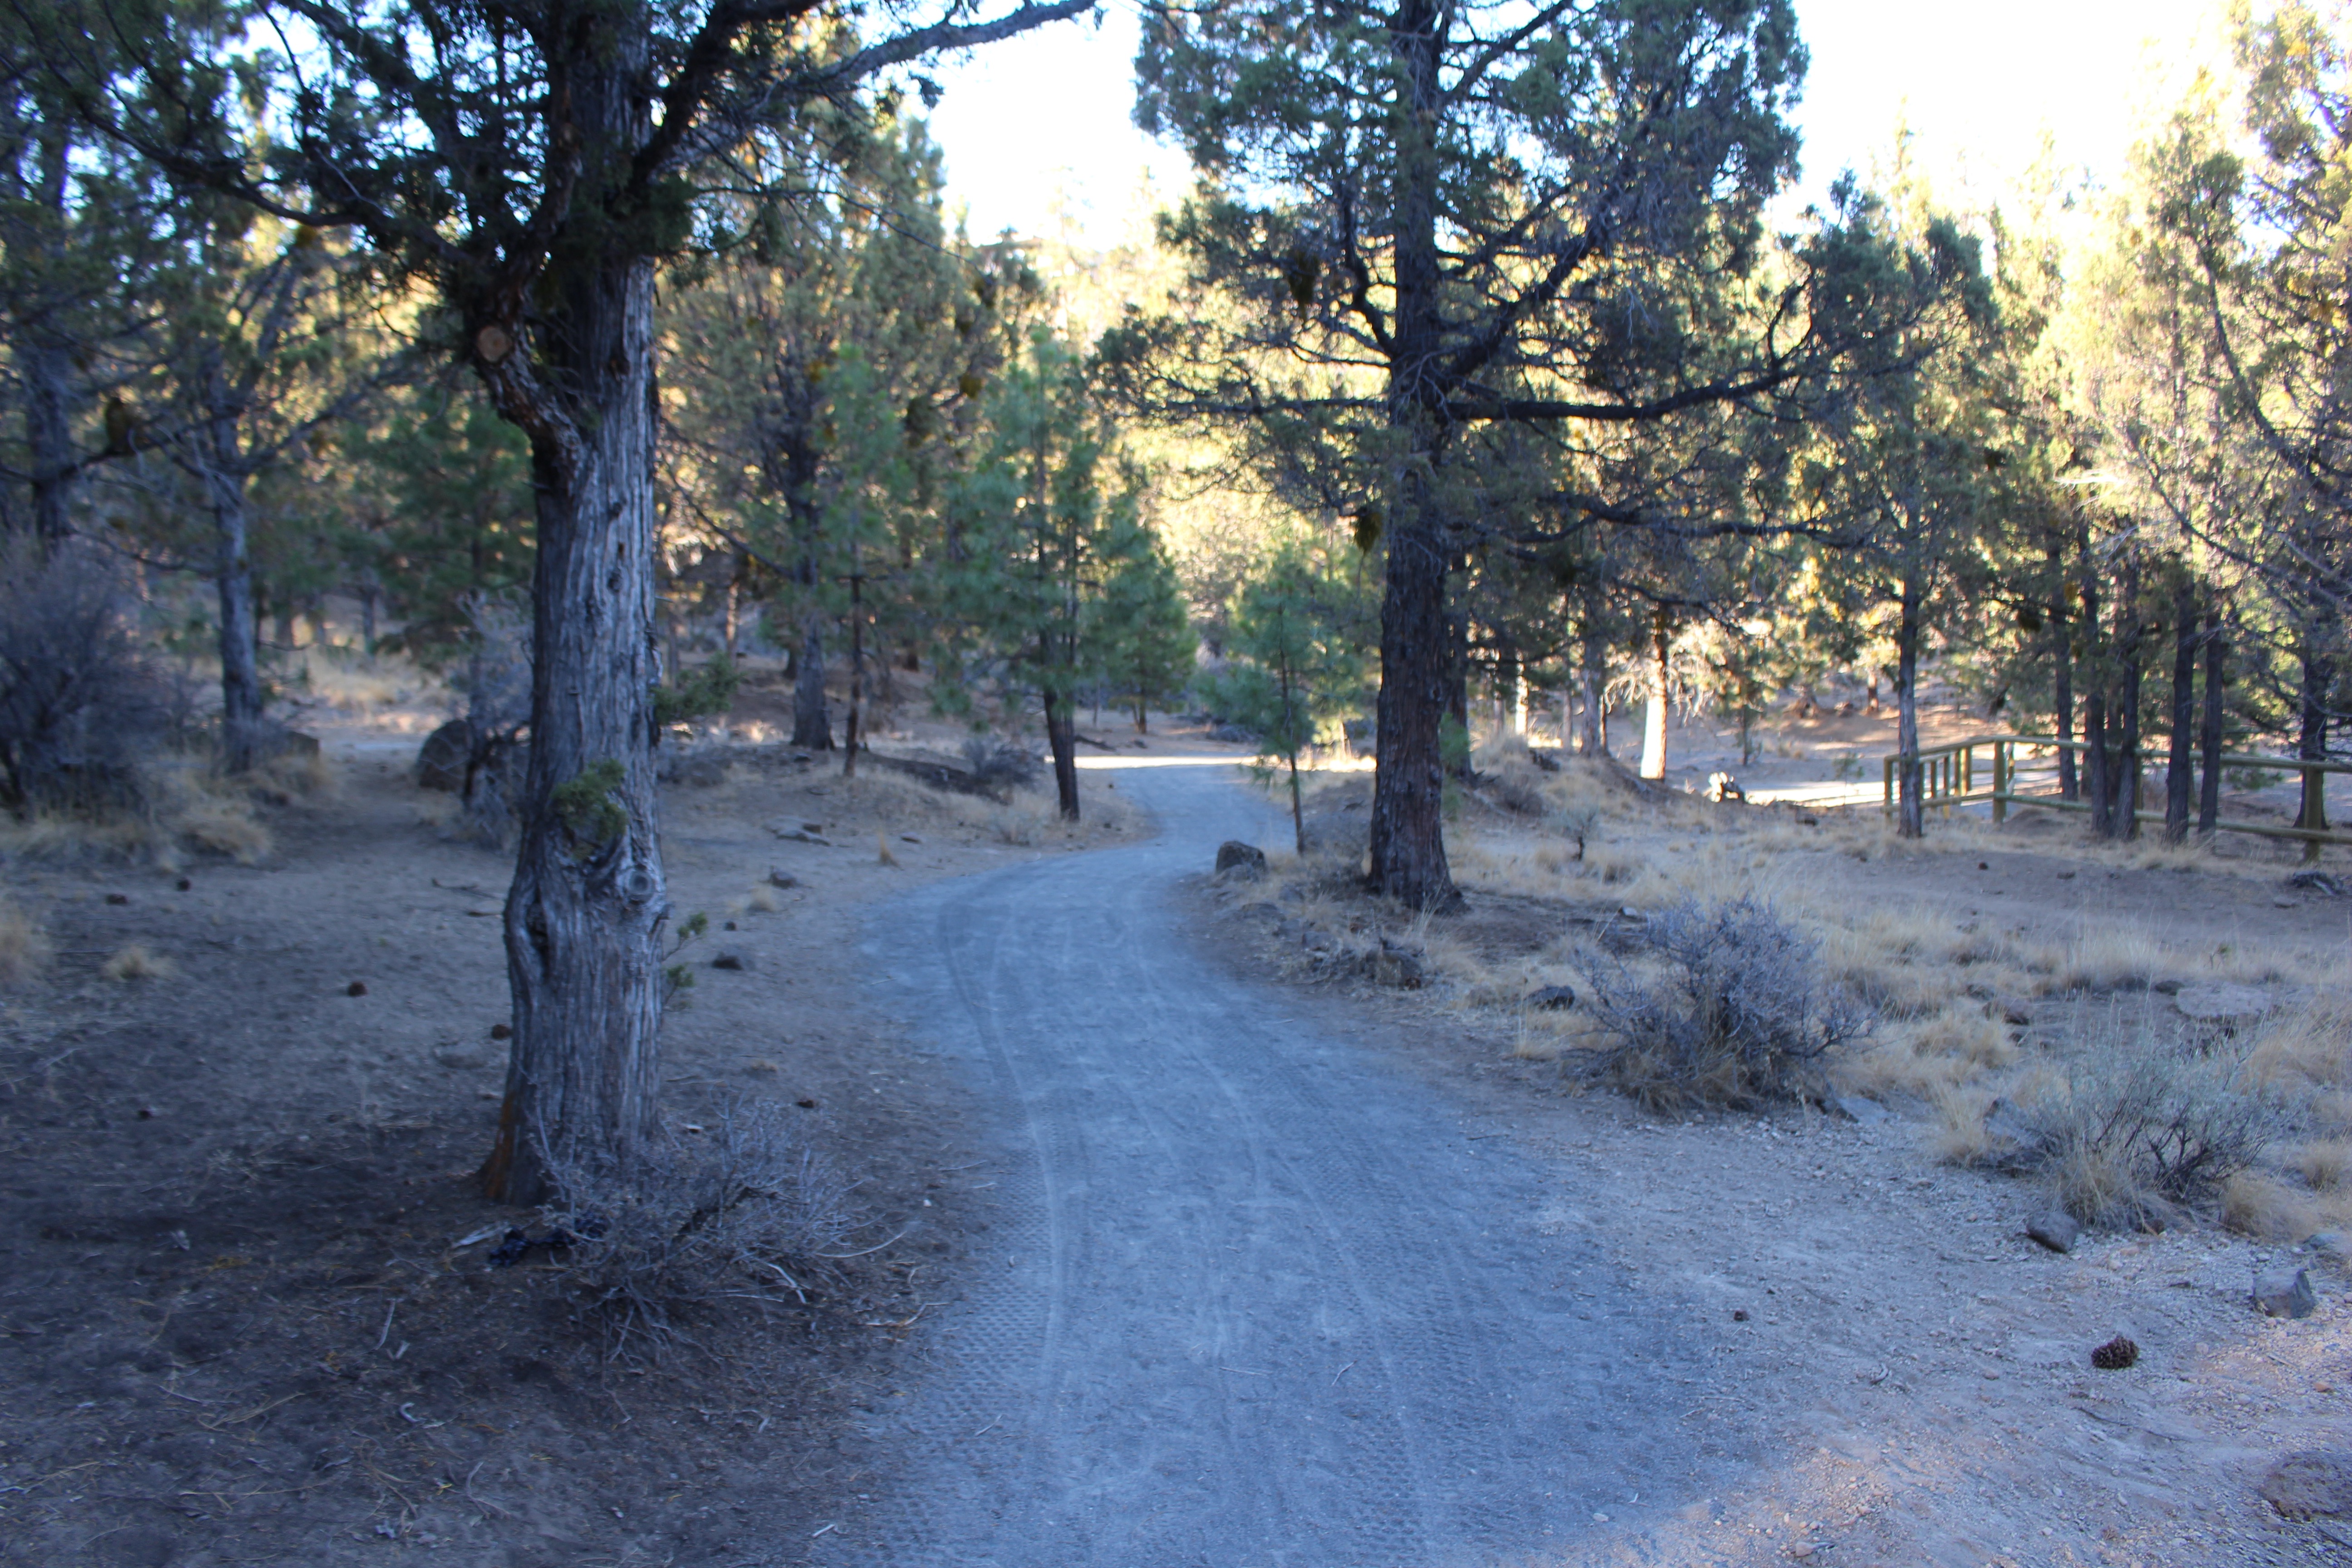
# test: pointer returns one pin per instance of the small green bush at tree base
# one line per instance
(1732, 1010)
(2137, 1126)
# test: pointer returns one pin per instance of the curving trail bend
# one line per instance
(1253, 1296)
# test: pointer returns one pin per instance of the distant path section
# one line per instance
(1255, 1296)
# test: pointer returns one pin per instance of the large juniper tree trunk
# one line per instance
(1408, 827)
(2180, 768)
(233, 582)
(584, 914)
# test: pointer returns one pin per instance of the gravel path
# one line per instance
(1255, 1296)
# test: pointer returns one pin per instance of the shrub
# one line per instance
(1000, 764)
(24, 946)
(136, 962)
(82, 705)
(1732, 1009)
(2133, 1126)
(739, 1208)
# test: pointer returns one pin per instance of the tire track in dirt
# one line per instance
(1254, 1297)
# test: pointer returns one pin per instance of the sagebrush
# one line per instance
(2134, 1126)
(83, 706)
(736, 1207)
(1727, 1006)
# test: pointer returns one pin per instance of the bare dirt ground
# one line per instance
(1908, 1372)
(237, 1322)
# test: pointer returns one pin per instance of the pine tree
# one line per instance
(1301, 672)
(1141, 634)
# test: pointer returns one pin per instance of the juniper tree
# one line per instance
(533, 164)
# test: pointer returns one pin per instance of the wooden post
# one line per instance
(2315, 807)
(2000, 783)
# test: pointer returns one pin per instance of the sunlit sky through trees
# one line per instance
(1039, 127)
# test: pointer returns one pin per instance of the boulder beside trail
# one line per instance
(441, 761)
(1247, 860)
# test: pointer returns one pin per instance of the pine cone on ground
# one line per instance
(2115, 1355)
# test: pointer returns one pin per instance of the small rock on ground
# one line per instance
(2224, 1004)
(2055, 1229)
(1248, 860)
(2317, 1482)
(1860, 1109)
(2283, 1294)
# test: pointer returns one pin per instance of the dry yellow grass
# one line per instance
(2323, 1161)
(24, 946)
(135, 962)
(2266, 1209)
(2308, 1049)
(305, 774)
(764, 900)
(225, 827)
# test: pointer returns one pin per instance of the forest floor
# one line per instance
(243, 1322)
(245, 1314)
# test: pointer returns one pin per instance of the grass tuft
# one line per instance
(137, 963)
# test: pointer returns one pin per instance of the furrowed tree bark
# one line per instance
(1592, 680)
(2209, 789)
(2123, 760)
(1061, 740)
(2181, 771)
(584, 914)
(1655, 714)
(1408, 827)
(44, 368)
(1408, 842)
(48, 436)
(1458, 682)
(1514, 691)
(1910, 810)
(2062, 679)
(812, 724)
(2318, 670)
(2096, 770)
(241, 720)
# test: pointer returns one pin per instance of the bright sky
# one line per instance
(1041, 124)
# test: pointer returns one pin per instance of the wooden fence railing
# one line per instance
(2017, 768)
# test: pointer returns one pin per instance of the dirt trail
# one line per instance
(1251, 1295)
